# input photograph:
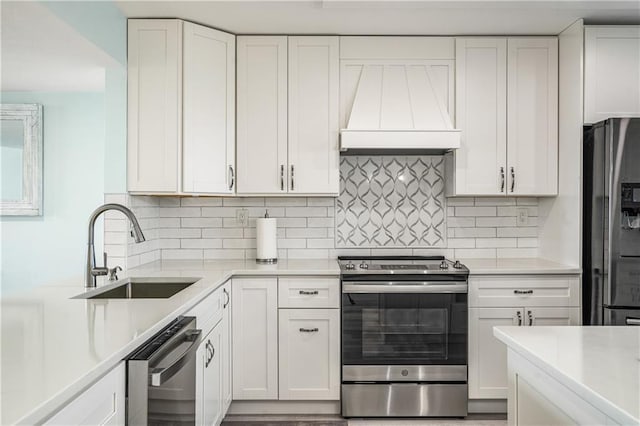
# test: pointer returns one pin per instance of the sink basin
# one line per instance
(140, 288)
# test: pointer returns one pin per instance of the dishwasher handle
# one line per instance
(158, 376)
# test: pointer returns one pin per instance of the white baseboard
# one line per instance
(487, 406)
(284, 407)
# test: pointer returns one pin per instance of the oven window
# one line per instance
(418, 329)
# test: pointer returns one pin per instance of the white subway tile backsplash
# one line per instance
(517, 232)
(180, 233)
(475, 211)
(180, 211)
(462, 243)
(496, 242)
(307, 212)
(222, 233)
(306, 233)
(473, 232)
(212, 254)
(285, 202)
(200, 202)
(201, 243)
(201, 222)
(243, 202)
(327, 243)
(182, 254)
(495, 201)
(206, 228)
(495, 221)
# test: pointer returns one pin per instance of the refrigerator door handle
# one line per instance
(632, 321)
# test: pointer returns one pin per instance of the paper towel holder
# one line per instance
(268, 261)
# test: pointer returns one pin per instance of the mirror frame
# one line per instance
(31, 202)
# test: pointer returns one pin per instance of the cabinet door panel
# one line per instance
(552, 316)
(313, 115)
(532, 119)
(487, 355)
(481, 114)
(255, 338)
(309, 354)
(262, 114)
(208, 110)
(226, 349)
(102, 404)
(154, 95)
(611, 70)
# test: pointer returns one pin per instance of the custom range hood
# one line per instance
(399, 107)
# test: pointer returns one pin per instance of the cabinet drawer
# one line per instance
(524, 290)
(209, 311)
(303, 292)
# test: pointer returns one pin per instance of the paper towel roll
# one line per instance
(266, 240)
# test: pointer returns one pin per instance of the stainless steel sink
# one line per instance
(140, 288)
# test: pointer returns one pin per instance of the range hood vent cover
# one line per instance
(398, 106)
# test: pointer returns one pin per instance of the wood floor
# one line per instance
(275, 420)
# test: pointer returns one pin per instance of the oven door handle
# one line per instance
(158, 376)
(404, 288)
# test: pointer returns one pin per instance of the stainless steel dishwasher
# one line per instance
(161, 376)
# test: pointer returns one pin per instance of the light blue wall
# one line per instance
(103, 24)
(51, 248)
(84, 157)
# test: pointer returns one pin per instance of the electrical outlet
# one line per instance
(522, 217)
(242, 216)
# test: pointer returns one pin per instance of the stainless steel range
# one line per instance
(404, 336)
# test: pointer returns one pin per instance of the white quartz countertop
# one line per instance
(517, 266)
(53, 347)
(600, 364)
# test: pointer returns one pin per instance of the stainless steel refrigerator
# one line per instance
(611, 223)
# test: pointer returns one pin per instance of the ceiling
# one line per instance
(425, 17)
(40, 52)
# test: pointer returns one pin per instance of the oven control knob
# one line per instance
(349, 266)
(404, 372)
(457, 265)
(444, 265)
(364, 266)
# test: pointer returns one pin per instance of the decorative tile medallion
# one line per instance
(391, 202)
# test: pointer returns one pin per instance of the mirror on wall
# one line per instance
(20, 159)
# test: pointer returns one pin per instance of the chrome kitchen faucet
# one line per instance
(92, 270)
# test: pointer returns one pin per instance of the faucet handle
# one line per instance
(113, 273)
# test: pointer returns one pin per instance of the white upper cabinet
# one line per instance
(507, 110)
(208, 110)
(481, 113)
(611, 72)
(314, 154)
(181, 108)
(532, 116)
(262, 114)
(288, 115)
(154, 92)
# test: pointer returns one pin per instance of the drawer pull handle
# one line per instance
(522, 291)
(308, 330)
(308, 293)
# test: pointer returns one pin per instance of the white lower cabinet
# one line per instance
(520, 300)
(309, 357)
(227, 394)
(255, 338)
(102, 404)
(488, 356)
(209, 409)
(280, 353)
(213, 369)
